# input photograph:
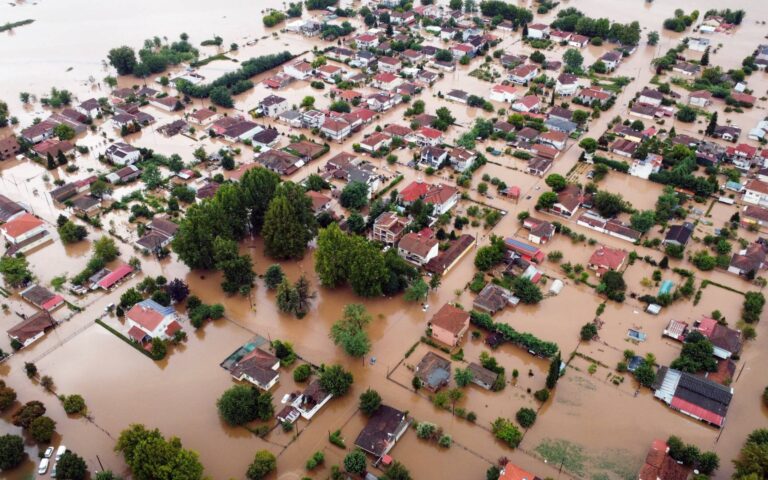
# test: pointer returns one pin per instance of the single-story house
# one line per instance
(433, 371)
(31, 329)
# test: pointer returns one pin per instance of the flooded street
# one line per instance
(606, 425)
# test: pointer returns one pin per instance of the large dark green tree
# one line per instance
(11, 451)
(289, 223)
(150, 456)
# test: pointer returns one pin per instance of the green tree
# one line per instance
(273, 276)
(462, 376)
(258, 186)
(15, 270)
(355, 462)
(556, 182)
(712, 125)
(526, 417)
(289, 223)
(7, 396)
(220, 96)
(573, 60)
(642, 221)
(588, 331)
(42, 429)
(238, 269)
(11, 452)
(553, 375)
(354, 195)
(505, 431)
(370, 401)
(546, 201)
(417, 291)
(752, 462)
(28, 413)
(264, 463)
(349, 332)
(71, 466)
(609, 204)
(105, 249)
(150, 456)
(74, 404)
(63, 132)
(653, 37)
(194, 239)
(70, 232)
(396, 471)
(331, 267)
(686, 114)
(123, 59)
(159, 348)
(237, 405)
(526, 290)
(335, 380)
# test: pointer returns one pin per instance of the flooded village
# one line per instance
(384, 239)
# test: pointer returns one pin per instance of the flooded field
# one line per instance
(598, 425)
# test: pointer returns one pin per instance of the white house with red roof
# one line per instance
(503, 93)
(148, 319)
(22, 228)
(386, 81)
(538, 30)
(300, 70)
(367, 40)
(375, 142)
(461, 50)
(427, 136)
(527, 104)
(756, 193)
(524, 74)
(442, 197)
(418, 248)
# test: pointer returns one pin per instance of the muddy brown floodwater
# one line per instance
(605, 429)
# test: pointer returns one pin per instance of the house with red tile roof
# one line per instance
(113, 278)
(414, 191)
(418, 248)
(513, 472)
(442, 198)
(375, 142)
(257, 367)
(148, 319)
(526, 104)
(503, 93)
(449, 325)
(427, 136)
(605, 259)
(660, 466)
(386, 81)
(22, 228)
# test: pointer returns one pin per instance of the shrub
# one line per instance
(445, 441)
(264, 462)
(42, 429)
(74, 404)
(335, 439)
(355, 462)
(505, 431)
(526, 417)
(370, 401)
(588, 332)
(317, 459)
(302, 373)
(425, 430)
(542, 395)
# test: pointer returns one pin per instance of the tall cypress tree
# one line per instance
(712, 125)
(554, 372)
(705, 58)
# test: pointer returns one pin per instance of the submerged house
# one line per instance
(449, 325)
(383, 430)
(433, 371)
(257, 367)
(311, 400)
(31, 329)
(148, 319)
(694, 396)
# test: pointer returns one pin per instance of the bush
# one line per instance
(526, 417)
(445, 441)
(355, 462)
(542, 395)
(370, 401)
(335, 439)
(11, 451)
(302, 373)
(317, 459)
(42, 429)
(264, 462)
(425, 430)
(588, 332)
(505, 431)
(74, 404)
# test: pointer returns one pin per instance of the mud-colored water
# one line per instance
(608, 424)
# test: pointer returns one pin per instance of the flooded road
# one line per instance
(606, 426)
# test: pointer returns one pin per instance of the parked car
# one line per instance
(43, 467)
(53, 470)
(60, 451)
(48, 452)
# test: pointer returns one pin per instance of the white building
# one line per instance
(121, 153)
(148, 319)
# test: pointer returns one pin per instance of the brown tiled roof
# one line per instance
(417, 244)
(450, 318)
(32, 326)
